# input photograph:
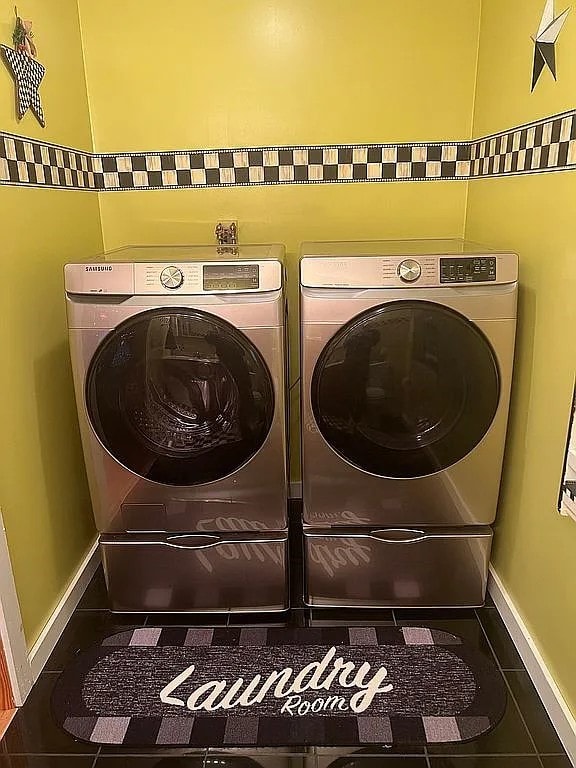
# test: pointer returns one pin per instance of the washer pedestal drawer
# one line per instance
(196, 572)
(397, 567)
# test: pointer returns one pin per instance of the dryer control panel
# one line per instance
(421, 271)
(479, 269)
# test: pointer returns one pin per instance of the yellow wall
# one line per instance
(504, 77)
(43, 493)
(254, 72)
(534, 548)
(269, 72)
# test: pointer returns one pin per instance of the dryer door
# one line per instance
(405, 389)
(179, 396)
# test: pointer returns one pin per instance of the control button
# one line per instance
(171, 277)
(409, 270)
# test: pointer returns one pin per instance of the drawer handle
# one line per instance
(398, 535)
(191, 542)
(203, 542)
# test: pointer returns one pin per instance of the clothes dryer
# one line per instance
(407, 354)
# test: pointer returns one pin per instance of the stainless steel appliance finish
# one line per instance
(178, 356)
(407, 353)
(426, 568)
(195, 572)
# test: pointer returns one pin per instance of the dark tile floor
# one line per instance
(524, 738)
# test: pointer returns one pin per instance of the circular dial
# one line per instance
(171, 277)
(409, 270)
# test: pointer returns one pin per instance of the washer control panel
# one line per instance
(185, 278)
(198, 277)
(481, 269)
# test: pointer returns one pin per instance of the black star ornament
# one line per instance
(545, 40)
(28, 74)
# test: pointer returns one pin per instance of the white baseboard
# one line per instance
(562, 718)
(296, 489)
(43, 647)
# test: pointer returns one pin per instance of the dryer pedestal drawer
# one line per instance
(198, 572)
(397, 567)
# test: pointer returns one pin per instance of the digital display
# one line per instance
(230, 277)
(479, 269)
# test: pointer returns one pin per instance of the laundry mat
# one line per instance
(264, 687)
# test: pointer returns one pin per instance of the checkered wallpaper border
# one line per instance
(548, 145)
(30, 162)
(569, 490)
(567, 503)
(543, 146)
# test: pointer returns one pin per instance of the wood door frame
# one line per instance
(6, 695)
(12, 635)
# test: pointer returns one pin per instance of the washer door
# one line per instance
(179, 396)
(405, 389)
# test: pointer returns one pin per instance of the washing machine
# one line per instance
(178, 358)
(406, 365)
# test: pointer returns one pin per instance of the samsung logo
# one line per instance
(99, 269)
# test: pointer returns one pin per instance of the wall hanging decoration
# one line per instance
(545, 40)
(567, 500)
(26, 71)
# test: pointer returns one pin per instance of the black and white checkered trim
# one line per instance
(546, 145)
(284, 165)
(569, 490)
(567, 502)
(25, 161)
(29, 162)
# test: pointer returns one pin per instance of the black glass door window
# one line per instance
(406, 389)
(179, 396)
